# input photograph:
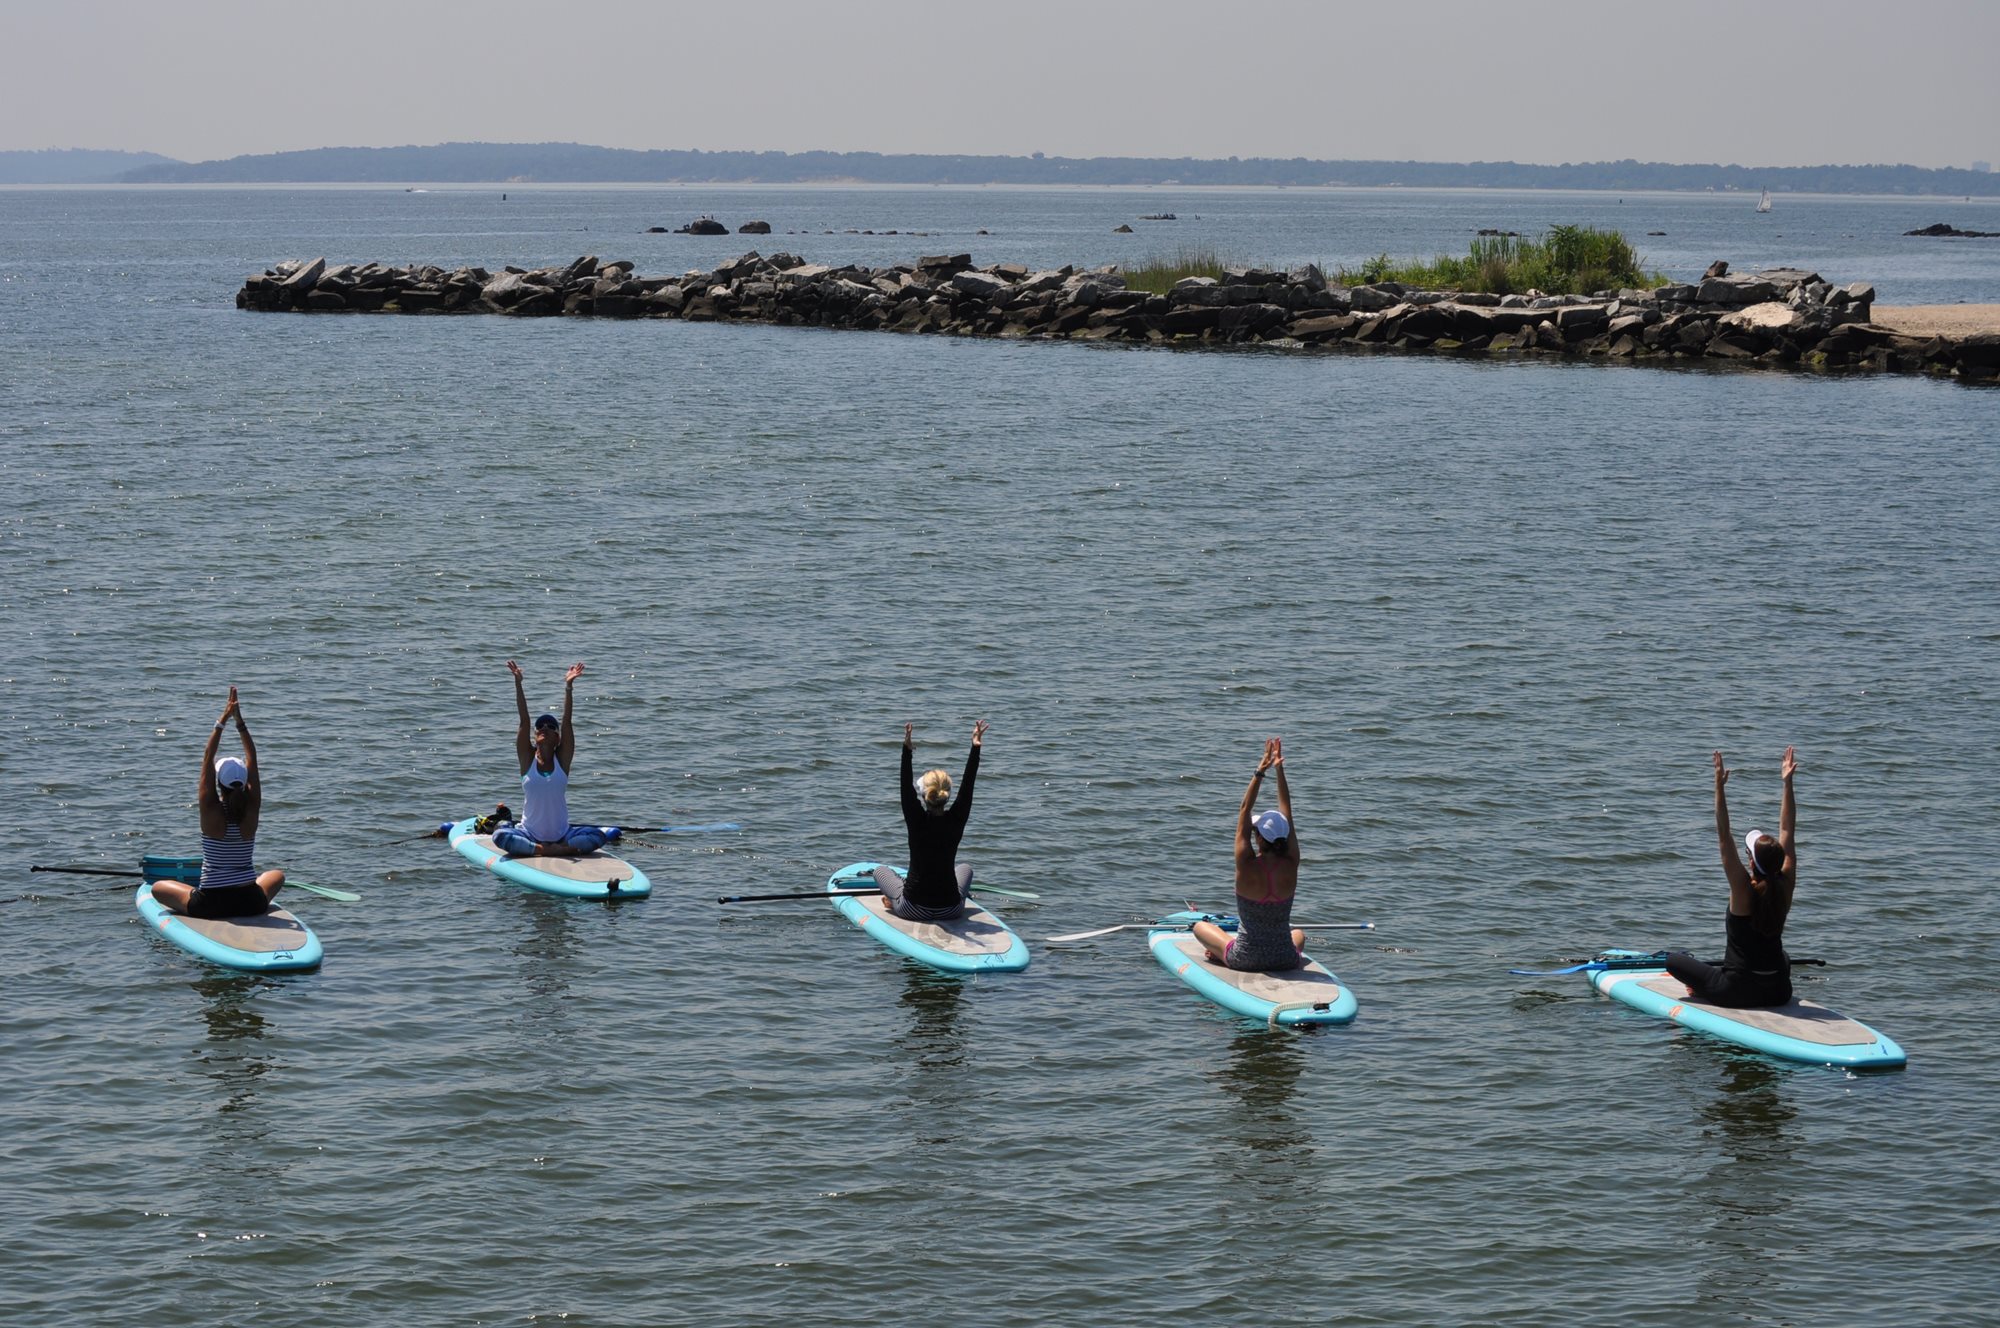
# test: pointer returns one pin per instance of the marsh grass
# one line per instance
(1157, 275)
(1567, 260)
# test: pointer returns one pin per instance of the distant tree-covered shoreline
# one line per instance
(574, 163)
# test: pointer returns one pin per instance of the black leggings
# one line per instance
(910, 910)
(229, 901)
(1731, 988)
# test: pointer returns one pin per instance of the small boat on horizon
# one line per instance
(1764, 202)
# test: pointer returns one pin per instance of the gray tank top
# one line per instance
(1263, 936)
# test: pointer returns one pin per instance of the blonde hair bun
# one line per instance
(935, 790)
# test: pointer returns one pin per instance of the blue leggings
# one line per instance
(515, 843)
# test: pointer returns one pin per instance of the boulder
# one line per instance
(1308, 277)
(302, 277)
(1582, 320)
(704, 226)
(1980, 350)
(1423, 323)
(1205, 296)
(1189, 321)
(1375, 298)
(940, 266)
(1121, 230)
(754, 228)
(1324, 327)
(980, 285)
(1250, 320)
(1719, 268)
(1769, 317)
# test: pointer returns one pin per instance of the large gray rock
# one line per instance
(1206, 296)
(304, 277)
(981, 285)
(1374, 299)
(1582, 320)
(508, 288)
(1771, 316)
(1736, 290)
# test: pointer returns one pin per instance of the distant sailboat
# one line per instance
(1764, 203)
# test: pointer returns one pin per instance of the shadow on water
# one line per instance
(931, 1054)
(236, 1059)
(547, 951)
(1269, 1143)
(1748, 1125)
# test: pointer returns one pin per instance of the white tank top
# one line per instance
(545, 803)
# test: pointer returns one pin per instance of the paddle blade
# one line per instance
(996, 890)
(1101, 931)
(326, 891)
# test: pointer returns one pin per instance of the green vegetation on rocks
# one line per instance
(1567, 260)
(1157, 276)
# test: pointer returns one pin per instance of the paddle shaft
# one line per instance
(1633, 962)
(804, 894)
(862, 890)
(345, 896)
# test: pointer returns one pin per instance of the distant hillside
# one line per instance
(575, 163)
(73, 165)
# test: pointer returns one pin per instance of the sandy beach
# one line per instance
(1933, 320)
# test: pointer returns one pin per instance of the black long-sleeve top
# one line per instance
(934, 839)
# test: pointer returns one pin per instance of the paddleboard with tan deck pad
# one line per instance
(272, 942)
(596, 875)
(1308, 994)
(979, 942)
(1804, 1031)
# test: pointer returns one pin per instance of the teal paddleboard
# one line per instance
(273, 942)
(1287, 998)
(979, 942)
(588, 876)
(1802, 1031)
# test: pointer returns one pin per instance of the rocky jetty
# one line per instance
(1947, 230)
(1783, 317)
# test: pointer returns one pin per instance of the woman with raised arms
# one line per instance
(545, 751)
(937, 886)
(1267, 878)
(1755, 969)
(230, 800)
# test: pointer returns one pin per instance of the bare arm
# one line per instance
(1732, 866)
(1249, 805)
(253, 786)
(1284, 793)
(205, 794)
(566, 749)
(524, 746)
(1788, 813)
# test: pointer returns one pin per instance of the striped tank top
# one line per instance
(226, 861)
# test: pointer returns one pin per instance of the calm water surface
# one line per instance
(1500, 613)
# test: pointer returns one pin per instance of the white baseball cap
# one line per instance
(230, 770)
(1272, 826)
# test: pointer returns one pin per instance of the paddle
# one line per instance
(327, 891)
(1163, 926)
(1612, 963)
(710, 828)
(864, 890)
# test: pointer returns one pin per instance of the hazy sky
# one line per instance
(1753, 82)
